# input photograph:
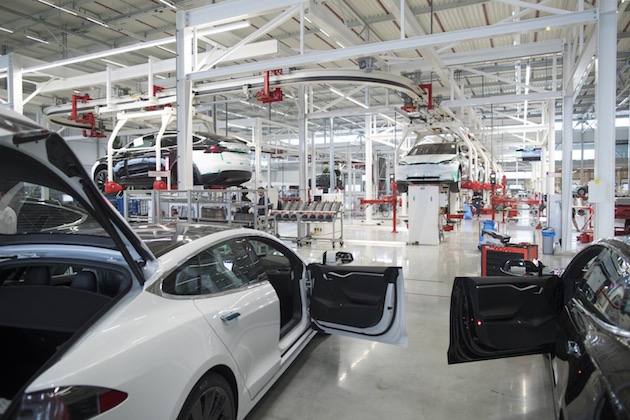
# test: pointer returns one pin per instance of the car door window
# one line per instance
(224, 267)
(605, 289)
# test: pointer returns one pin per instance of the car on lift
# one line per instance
(217, 161)
(99, 319)
(579, 319)
(432, 162)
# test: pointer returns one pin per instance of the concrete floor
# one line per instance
(342, 378)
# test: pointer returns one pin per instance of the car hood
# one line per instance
(415, 159)
(36, 162)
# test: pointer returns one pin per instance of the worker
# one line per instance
(263, 202)
(477, 199)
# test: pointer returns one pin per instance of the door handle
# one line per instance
(229, 317)
(573, 348)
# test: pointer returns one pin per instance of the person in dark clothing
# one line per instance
(264, 204)
(477, 199)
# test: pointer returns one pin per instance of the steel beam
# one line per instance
(531, 49)
(230, 11)
(576, 18)
(502, 99)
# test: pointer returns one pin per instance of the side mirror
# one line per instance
(339, 257)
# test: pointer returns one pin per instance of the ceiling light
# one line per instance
(166, 49)
(6, 30)
(114, 63)
(159, 77)
(340, 44)
(354, 101)
(224, 28)
(43, 41)
(168, 4)
(324, 32)
(58, 7)
(97, 22)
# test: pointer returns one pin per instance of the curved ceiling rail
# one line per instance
(59, 114)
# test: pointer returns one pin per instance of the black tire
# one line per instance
(100, 177)
(210, 399)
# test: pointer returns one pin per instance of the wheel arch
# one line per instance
(228, 375)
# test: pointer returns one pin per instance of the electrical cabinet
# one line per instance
(424, 214)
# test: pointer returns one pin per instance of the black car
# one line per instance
(217, 161)
(581, 319)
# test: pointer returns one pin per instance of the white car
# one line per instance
(217, 161)
(99, 320)
(431, 163)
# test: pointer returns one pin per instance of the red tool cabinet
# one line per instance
(493, 257)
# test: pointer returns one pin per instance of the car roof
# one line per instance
(163, 238)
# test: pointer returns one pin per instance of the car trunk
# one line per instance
(44, 307)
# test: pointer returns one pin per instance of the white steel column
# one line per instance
(257, 141)
(331, 158)
(605, 105)
(184, 103)
(14, 83)
(368, 160)
(567, 147)
(551, 146)
(303, 158)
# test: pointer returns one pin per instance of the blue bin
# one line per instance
(548, 234)
(120, 205)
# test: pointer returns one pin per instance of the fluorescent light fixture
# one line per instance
(224, 28)
(307, 19)
(340, 44)
(166, 49)
(98, 22)
(70, 12)
(324, 32)
(114, 63)
(168, 4)
(354, 101)
(6, 30)
(157, 76)
(38, 39)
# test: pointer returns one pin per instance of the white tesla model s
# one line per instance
(102, 320)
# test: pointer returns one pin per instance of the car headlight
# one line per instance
(402, 162)
(71, 402)
(446, 162)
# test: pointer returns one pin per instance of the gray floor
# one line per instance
(342, 378)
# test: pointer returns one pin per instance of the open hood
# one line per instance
(36, 163)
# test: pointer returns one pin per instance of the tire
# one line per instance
(100, 178)
(210, 399)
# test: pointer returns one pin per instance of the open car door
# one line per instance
(360, 302)
(495, 317)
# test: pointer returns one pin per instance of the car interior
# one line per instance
(284, 275)
(76, 293)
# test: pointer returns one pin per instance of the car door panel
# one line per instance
(248, 323)
(496, 317)
(363, 302)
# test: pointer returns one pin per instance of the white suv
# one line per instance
(431, 163)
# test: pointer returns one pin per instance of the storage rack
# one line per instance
(305, 214)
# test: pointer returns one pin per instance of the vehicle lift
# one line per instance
(166, 116)
(386, 199)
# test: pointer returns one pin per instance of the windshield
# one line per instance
(30, 208)
(434, 149)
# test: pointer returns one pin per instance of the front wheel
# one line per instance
(100, 178)
(210, 399)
